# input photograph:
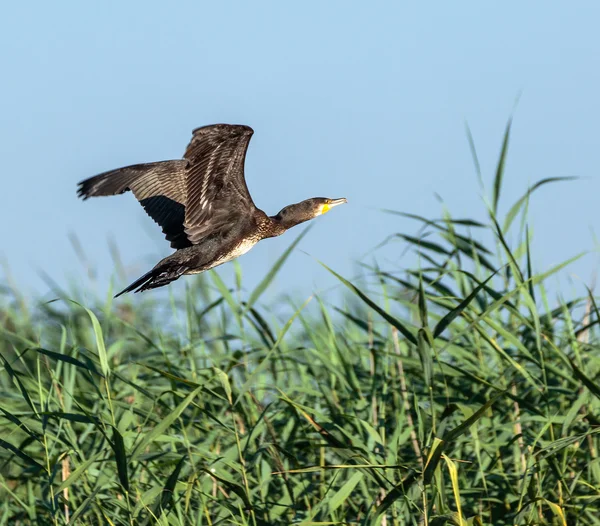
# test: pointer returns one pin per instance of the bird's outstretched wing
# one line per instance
(189, 198)
(217, 194)
(159, 187)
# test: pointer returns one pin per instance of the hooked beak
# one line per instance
(333, 202)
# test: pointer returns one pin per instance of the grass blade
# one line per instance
(166, 499)
(104, 365)
(450, 316)
(164, 424)
(266, 281)
(514, 210)
(121, 458)
(79, 472)
(500, 167)
(474, 154)
(390, 319)
(344, 492)
(20, 454)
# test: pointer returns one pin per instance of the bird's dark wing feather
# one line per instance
(217, 195)
(190, 198)
(160, 188)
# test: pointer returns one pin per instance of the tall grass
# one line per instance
(457, 392)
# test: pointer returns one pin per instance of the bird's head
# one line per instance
(295, 214)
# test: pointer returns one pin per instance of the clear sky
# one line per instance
(365, 100)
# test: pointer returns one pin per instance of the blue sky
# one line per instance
(364, 100)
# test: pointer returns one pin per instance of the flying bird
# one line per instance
(202, 204)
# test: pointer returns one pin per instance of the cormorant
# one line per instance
(202, 203)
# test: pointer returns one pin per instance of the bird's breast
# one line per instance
(236, 251)
(242, 247)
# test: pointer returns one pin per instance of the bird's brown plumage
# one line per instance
(189, 198)
(215, 183)
(202, 203)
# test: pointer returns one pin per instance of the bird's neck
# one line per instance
(269, 226)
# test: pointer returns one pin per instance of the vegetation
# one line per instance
(457, 392)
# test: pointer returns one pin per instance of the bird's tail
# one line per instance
(157, 277)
